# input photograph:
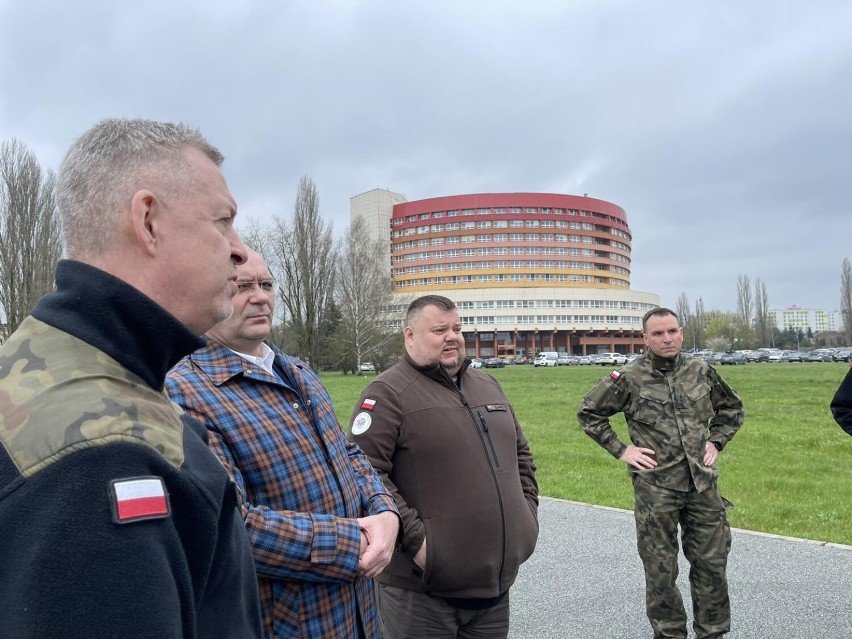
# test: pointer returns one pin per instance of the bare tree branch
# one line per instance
(364, 291)
(30, 238)
(846, 298)
(304, 259)
(686, 320)
(700, 322)
(745, 300)
(762, 322)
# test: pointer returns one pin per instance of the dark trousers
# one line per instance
(414, 615)
(706, 539)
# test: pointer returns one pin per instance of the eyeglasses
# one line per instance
(246, 286)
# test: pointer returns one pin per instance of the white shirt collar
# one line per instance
(264, 360)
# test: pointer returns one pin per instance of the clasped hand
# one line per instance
(378, 538)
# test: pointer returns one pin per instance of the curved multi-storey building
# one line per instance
(528, 271)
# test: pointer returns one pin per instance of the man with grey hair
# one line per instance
(446, 442)
(117, 520)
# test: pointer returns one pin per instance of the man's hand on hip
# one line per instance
(710, 454)
(638, 457)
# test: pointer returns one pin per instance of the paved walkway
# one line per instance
(585, 582)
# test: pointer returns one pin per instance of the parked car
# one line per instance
(792, 356)
(521, 359)
(758, 356)
(713, 358)
(816, 356)
(584, 360)
(733, 357)
(843, 355)
(494, 362)
(611, 359)
(828, 354)
(775, 356)
(367, 367)
(546, 358)
(476, 363)
(567, 360)
(632, 356)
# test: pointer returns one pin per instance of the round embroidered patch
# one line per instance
(361, 423)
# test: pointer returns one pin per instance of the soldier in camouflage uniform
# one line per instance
(117, 520)
(680, 415)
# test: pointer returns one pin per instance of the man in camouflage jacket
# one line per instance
(116, 519)
(680, 415)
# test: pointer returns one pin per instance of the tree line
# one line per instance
(333, 297)
(751, 325)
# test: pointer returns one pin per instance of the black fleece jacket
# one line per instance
(81, 408)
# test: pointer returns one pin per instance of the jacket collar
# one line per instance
(663, 363)
(117, 319)
(220, 363)
(437, 373)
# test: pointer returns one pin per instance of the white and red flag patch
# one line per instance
(368, 404)
(138, 499)
(615, 375)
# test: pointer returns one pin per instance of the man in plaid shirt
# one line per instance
(320, 521)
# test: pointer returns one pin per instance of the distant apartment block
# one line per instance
(528, 271)
(818, 321)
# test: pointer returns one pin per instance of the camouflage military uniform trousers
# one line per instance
(706, 539)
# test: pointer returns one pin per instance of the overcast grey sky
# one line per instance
(724, 128)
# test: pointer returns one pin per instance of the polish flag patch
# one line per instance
(139, 498)
(615, 375)
(368, 404)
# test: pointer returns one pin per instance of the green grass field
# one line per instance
(788, 471)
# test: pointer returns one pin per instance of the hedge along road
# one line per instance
(585, 581)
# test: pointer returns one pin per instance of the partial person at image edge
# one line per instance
(841, 404)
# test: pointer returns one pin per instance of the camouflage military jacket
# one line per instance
(672, 406)
(117, 521)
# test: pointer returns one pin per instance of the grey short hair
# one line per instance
(108, 164)
(415, 309)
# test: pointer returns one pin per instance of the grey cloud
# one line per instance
(722, 128)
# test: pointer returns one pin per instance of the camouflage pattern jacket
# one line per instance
(672, 406)
(117, 521)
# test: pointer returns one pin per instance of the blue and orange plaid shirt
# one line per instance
(303, 485)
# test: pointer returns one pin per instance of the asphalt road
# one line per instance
(585, 582)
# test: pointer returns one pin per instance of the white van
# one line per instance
(546, 358)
